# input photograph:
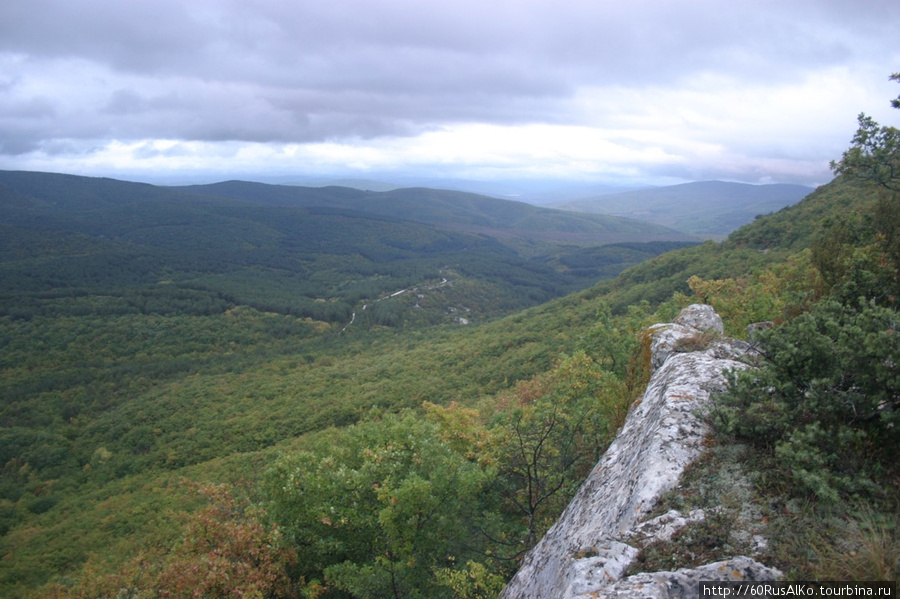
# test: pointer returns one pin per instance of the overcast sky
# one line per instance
(629, 91)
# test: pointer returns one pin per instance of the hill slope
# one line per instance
(708, 208)
(767, 240)
(318, 253)
(116, 387)
(452, 209)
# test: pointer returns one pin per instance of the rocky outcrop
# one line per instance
(586, 553)
(685, 583)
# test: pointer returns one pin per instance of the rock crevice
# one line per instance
(586, 553)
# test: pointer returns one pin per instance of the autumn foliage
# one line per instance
(226, 550)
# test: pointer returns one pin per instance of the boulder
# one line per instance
(701, 318)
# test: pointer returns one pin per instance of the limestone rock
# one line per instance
(684, 583)
(691, 323)
(700, 317)
(754, 329)
(664, 527)
(665, 339)
(588, 548)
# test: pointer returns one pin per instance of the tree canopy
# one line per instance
(875, 153)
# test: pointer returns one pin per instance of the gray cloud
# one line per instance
(125, 102)
(311, 71)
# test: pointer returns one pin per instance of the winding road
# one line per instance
(444, 282)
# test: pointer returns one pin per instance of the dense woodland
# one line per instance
(207, 395)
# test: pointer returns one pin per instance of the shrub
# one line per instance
(776, 293)
(380, 511)
(226, 550)
(826, 402)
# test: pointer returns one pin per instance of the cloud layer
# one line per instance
(636, 91)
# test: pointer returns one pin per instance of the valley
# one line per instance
(152, 335)
(154, 344)
(447, 300)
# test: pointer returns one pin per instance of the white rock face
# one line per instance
(587, 550)
(700, 317)
(686, 583)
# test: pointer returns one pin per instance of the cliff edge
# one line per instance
(586, 553)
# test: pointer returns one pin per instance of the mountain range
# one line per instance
(315, 252)
(463, 211)
(708, 209)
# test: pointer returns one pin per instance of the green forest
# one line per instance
(238, 391)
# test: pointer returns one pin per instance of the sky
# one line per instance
(624, 92)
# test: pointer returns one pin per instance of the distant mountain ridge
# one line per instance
(312, 252)
(710, 209)
(457, 210)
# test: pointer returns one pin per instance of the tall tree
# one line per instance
(875, 153)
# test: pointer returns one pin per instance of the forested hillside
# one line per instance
(148, 331)
(319, 254)
(453, 209)
(711, 209)
(168, 432)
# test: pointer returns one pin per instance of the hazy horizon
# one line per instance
(629, 94)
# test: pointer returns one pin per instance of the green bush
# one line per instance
(826, 402)
(381, 510)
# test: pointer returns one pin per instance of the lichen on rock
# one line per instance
(594, 541)
(684, 583)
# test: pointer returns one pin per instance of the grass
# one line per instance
(856, 543)
(717, 483)
(744, 499)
